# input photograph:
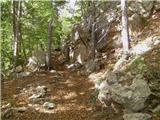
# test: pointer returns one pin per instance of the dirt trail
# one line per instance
(70, 91)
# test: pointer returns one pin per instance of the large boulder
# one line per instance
(132, 94)
(37, 60)
(132, 97)
(79, 54)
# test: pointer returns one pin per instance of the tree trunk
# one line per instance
(93, 42)
(19, 25)
(93, 25)
(49, 44)
(124, 32)
(21, 48)
(15, 35)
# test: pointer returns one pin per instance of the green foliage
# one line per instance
(34, 27)
(6, 35)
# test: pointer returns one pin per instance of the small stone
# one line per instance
(30, 105)
(23, 74)
(89, 109)
(21, 109)
(34, 98)
(49, 105)
(53, 71)
(37, 108)
(19, 69)
(41, 90)
(6, 106)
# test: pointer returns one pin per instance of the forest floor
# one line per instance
(71, 92)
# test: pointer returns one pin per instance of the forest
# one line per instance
(80, 60)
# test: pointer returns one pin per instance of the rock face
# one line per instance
(137, 116)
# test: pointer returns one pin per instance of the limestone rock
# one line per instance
(37, 60)
(141, 91)
(121, 95)
(6, 106)
(97, 78)
(23, 74)
(137, 116)
(132, 97)
(111, 78)
(19, 69)
(92, 66)
(49, 105)
(39, 92)
(20, 109)
(157, 110)
(145, 46)
(34, 98)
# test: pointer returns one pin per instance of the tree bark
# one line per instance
(124, 32)
(93, 42)
(19, 26)
(49, 44)
(15, 35)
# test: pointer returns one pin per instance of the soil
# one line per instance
(70, 91)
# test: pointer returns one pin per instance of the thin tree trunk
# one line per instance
(19, 26)
(15, 38)
(93, 41)
(124, 32)
(93, 25)
(49, 44)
